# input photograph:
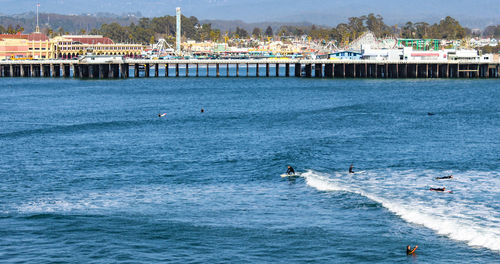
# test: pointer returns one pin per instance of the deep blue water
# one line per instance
(90, 174)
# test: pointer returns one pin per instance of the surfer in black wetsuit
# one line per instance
(410, 251)
(351, 169)
(438, 189)
(290, 171)
(444, 177)
(202, 110)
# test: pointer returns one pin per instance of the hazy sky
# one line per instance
(327, 12)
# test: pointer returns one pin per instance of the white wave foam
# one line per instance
(464, 221)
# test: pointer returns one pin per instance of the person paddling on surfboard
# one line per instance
(410, 251)
(444, 177)
(351, 169)
(290, 171)
(438, 189)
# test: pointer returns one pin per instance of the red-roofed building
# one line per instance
(89, 39)
(14, 36)
(37, 37)
(38, 46)
(25, 46)
(70, 46)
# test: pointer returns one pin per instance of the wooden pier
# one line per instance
(250, 68)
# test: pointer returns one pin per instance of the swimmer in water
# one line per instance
(445, 177)
(410, 251)
(202, 110)
(351, 169)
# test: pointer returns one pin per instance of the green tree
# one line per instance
(205, 32)
(256, 32)
(269, 31)
(421, 30)
(448, 28)
(408, 31)
(215, 35)
(60, 31)
(10, 30)
(356, 26)
(19, 29)
(242, 33)
(376, 25)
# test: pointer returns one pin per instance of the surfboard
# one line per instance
(445, 191)
(288, 175)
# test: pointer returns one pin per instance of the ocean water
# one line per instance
(90, 174)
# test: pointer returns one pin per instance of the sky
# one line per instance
(324, 12)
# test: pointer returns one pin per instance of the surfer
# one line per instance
(438, 189)
(430, 114)
(202, 110)
(162, 115)
(351, 169)
(410, 251)
(290, 171)
(445, 177)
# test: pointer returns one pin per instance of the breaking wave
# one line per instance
(463, 216)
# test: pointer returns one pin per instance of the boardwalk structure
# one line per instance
(127, 68)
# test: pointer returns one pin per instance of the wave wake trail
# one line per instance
(462, 223)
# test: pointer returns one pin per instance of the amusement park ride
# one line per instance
(160, 50)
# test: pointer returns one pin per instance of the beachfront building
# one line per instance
(345, 55)
(381, 54)
(71, 46)
(409, 54)
(39, 46)
(26, 46)
(463, 54)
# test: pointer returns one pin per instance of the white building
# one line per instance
(380, 54)
(423, 55)
(470, 55)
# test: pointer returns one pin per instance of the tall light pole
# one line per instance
(37, 29)
(178, 33)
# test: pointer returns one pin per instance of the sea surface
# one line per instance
(90, 174)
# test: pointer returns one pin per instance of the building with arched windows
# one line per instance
(70, 46)
(39, 46)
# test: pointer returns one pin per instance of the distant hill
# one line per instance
(230, 25)
(70, 23)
